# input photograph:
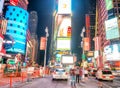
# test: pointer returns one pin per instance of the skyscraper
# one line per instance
(33, 21)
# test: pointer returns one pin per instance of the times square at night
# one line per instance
(59, 43)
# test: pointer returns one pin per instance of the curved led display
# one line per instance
(16, 27)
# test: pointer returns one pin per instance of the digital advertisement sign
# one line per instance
(109, 4)
(67, 59)
(112, 52)
(112, 29)
(17, 27)
(64, 29)
(63, 43)
(64, 6)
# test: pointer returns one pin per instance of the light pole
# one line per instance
(82, 46)
(82, 42)
(47, 35)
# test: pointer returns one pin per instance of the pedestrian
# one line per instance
(86, 74)
(77, 73)
(80, 73)
(72, 77)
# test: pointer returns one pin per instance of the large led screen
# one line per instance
(67, 59)
(64, 29)
(63, 43)
(112, 52)
(112, 30)
(64, 6)
(16, 27)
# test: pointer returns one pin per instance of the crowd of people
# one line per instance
(77, 74)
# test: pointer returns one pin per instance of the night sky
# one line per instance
(44, 9)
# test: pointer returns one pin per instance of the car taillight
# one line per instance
(103, 76)
(111, 76)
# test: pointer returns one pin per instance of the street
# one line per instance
(47, 82)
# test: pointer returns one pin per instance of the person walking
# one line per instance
(72, 77)
(86, 74)
(77, 73)
(80, 73)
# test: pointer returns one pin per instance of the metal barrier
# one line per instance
(25, 75)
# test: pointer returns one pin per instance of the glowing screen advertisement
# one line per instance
(64, 29)
(112, 30)
(17, 27)
(109, 4)
(67, 59)
(64, 6)
(112, 52)
(63, 43)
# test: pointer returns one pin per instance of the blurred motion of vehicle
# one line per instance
(116, 73)
(60, 73)
(104, 75)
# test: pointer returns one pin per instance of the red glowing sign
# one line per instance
(14, 2)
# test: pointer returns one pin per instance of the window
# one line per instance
(7, 30)
(10, 13)
(17, 14)
(21, 33)
(106, 72)
(20, 11)
(14, 19)
(11, 24)
(20, 21)
(14, 31)
(18, 26)
(13, 9)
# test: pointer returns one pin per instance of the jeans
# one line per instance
(77, 78)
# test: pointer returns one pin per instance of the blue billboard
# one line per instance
(16, 27)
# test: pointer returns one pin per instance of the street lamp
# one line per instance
(82, 46)
(47, 35)
(82, 42)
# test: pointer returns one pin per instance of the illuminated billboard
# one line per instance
(1, 5)
(64, 6)
(67, 59)
(62, 26)
(43, 43)
(63, 43)
(64, 29)
(112, 52)
(17, 27)
(112, 29)
(109, 4)
(14, 2)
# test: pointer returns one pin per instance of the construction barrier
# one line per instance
(26, 74)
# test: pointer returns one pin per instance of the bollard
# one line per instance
(10, 81)
(22, 77)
